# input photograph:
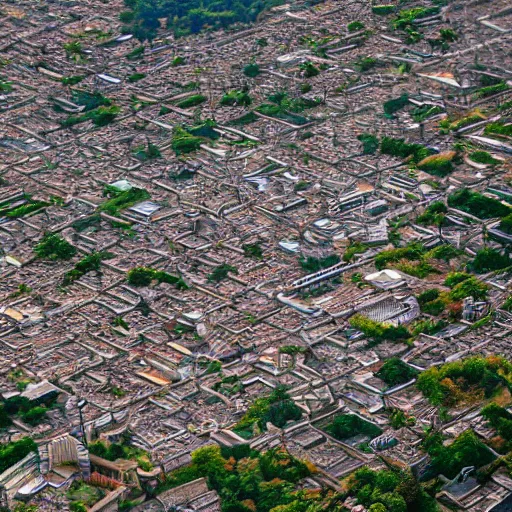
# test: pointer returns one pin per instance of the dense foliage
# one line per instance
(247, 480)
(487, 260)
(438, 165)
(379, 331)
(277, 408)
(120, 200)
(466, 450)
(13, 452)
(189, 16)
(346, 426)
(389, 491)
(468, 380)
(87, 264)
(54, 247)
(312, 264)
(142, 276)
(477, 204)
(402, 149)
(394, 372)
(433, 215)
(220, 272)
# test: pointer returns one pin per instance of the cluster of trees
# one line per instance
(394, 372)
(370, 143)
(189, 16)
(466, 450)
(312, 264)
(389, 491)
(220, 272)
(477, 204)
(31, 412)
(434, 301)
(433, 215)
(465, 285)
(395, 104)
(232, 98)
(415, 252)
(346, 426)
(468, 380)
(86, 264)
(13, 452)
(438, 165)
(501, 420)
(97, 108)
(54, 247)
(247, 480)
(121, 199)
(186, 139)
(122, 450)
(378, 331)
(402, 149)
(277, 408)
(142, 276)
(488, 259)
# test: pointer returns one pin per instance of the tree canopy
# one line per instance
(189, 16)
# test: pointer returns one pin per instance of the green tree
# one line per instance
(54, 247)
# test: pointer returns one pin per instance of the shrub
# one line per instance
(72, 80)
(419, 114)
(100, 116)
(488, 259)
(498, 128)
(438, 165)
(471, 287)
(406, 17)
(34, 416)
(444, 252)
(365, 63)
(413, 252)
(454, 278)
(466, 380)
(236, 98)
(142, 276)
(183, 142)
(252, 70)
(13, 452)
(354, 26)
(221, 272)
(434, 214)
(394, 105)
(192, 101)
(428, 296)
(87, 264)
(312, 264)
(253, 251)
(466, 450)
(483, 157)
(120, 200)
(54, 247)
(394, 372)
(506, 224)
(379, 331)
(346, 426)
(305, 88)
(370, 143)
(136, 77)
(383, 10)
(399, 148)
(309, 69)
(477, 204)
(490, 90)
